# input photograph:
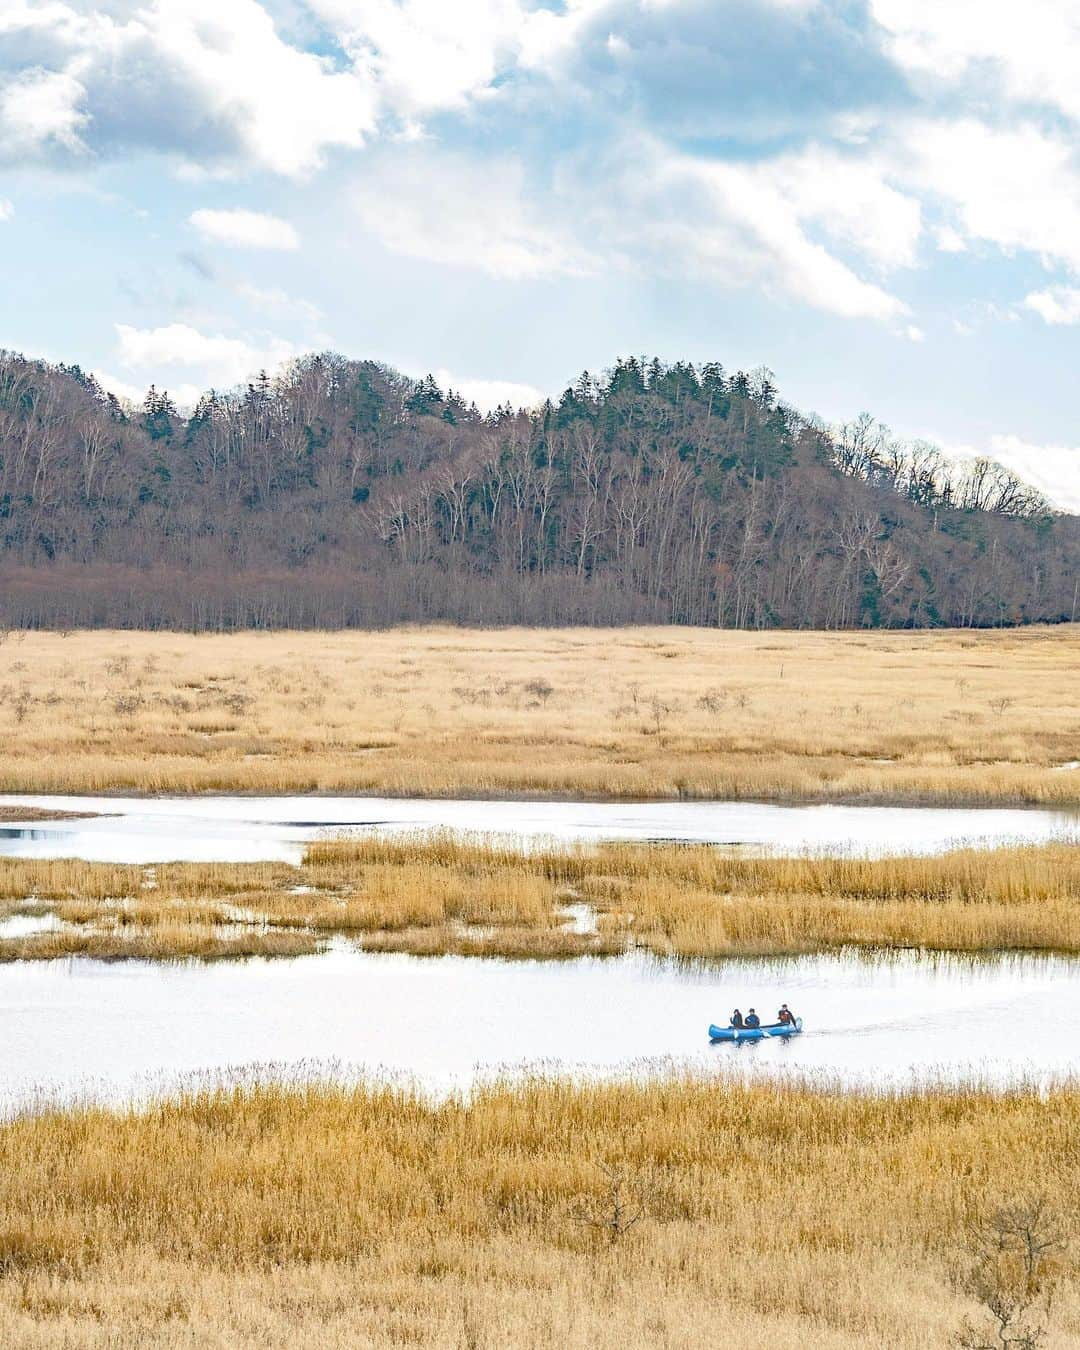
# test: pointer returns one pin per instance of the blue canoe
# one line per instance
(755, 1033)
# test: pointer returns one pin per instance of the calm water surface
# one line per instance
(79, 1028)
(247, 829)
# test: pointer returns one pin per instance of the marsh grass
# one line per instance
(950, 717)
(433, 893)
(165, 942)
(773, 1216)
(29, 814)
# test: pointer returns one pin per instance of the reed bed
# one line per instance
(436, 893)
(178, 941)
(949, 717)
(771, 1216)
(23, 815)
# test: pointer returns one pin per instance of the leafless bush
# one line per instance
(660, 711)
(472, 694)
(539, 688)
(713, 700)
(1013, 1274)
(624, 1204)
(238, 702)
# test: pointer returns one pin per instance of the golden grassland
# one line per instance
(435, 893)
(947, 717)
(772, 1217)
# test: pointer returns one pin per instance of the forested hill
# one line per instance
(343, 493)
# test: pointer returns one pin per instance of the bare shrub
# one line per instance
(1013, 1274)
(539, 688)
(624, 1203)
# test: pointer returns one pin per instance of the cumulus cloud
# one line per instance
(1053, 469)
(1017, 187)
(1057, 304)
(648, 207)
(7, 210)
(745, 224)
(808, 148)
(177, 350)
(850, 198)
(196, 78)
(1029, 53)
(427, 55)
(489, 394)
(714, 67)
(124, 390)
(39, 109)
(245, 229)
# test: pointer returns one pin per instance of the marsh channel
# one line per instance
(78, 1029)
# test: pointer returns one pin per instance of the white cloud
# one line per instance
(220, 361)
(652, 208)
(1017, 187)
(40, 108)
(949, 240)
(850, 199)
(1053, 469)
(198, 78)
(914, 334)
(1057, 304)
(1033, 48)
(489, 394)
(123, 389)
(427, 55)
(245, 229)
(7, 210)
(450, 209)
(744, 225)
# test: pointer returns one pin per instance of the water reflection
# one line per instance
(245, 829)
(69, 1027)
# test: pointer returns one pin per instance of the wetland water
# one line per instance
(250, 829)
(114, 1032)
(119, 1031)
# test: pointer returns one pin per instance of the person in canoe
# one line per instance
(752, 1019)
(785, 1016)
(736, 1020)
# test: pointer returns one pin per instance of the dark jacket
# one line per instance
(753, 1020)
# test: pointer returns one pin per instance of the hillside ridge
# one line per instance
(341, 493)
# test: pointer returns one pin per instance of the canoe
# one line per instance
(755, 1033)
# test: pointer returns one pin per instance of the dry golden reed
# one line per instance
(947, 717)
(432, 893)
(773, 1217)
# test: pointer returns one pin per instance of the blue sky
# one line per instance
(878, 199)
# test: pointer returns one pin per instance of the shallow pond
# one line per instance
(248, 829)
(81, 1028)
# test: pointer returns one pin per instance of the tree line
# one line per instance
(341, 493)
